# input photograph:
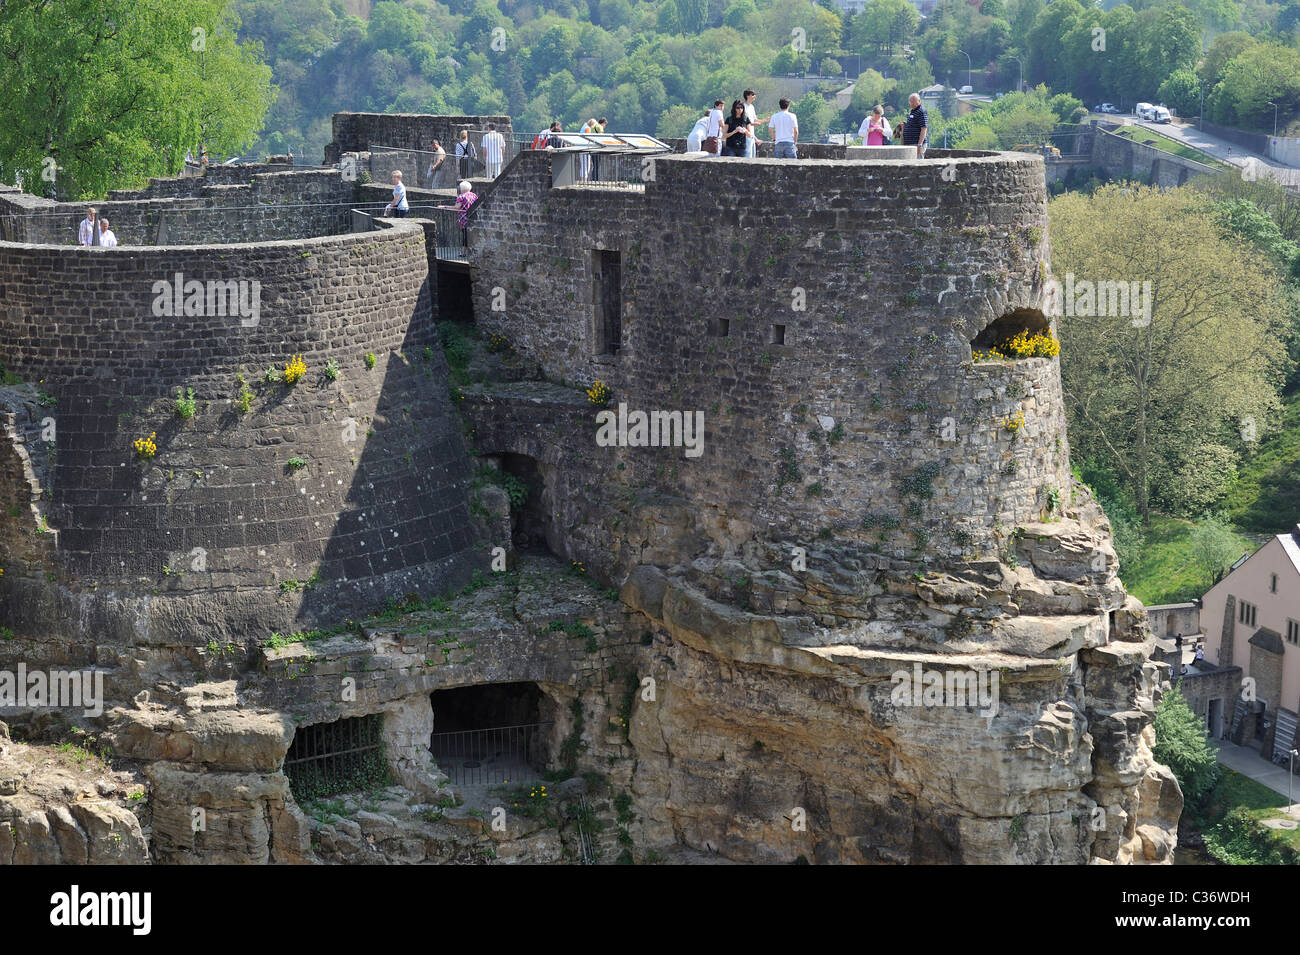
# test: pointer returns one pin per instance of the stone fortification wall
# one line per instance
(274, 505)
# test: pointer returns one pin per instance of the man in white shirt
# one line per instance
(785, 132)
(714, 129)
(87, 233)
(695, 140)
(494, 151)
(106, 237)
(751, 114)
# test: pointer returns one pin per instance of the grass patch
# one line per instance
(1149, 137)
(1166, 571)
(1232, 824)
(1265, 498)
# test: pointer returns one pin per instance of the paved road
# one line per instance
(1253, 165)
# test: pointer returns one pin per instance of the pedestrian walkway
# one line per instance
(1250, 764)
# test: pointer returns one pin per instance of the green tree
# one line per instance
(1214, 549)
(912, 75)
(1266, 72)
(1047, 55)
(1125, 524)
(886, 26)
(948, 103)
(1181, 92)
(513, 87)
(1183, 746)
(393, 26)
(110, 92)
(677, 121)
(1288, 20)
(1223, 50)
(789, 60)
(868, 92)
(742, 15)
(553, 52)
(614, 13)
(691, 14)
(814, 115)
(1203, 352)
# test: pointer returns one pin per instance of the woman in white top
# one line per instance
(398, 206)
(107, 239)
(875, 129)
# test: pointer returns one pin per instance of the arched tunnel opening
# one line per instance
(997, 333)
(532, 524)
(491, 735)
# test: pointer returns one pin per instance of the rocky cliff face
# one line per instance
(778, 736)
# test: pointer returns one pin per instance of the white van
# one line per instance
(1161, 115)
(1145, 111)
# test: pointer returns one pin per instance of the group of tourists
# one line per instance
(466, 154)
(736, 134)
(94, 230)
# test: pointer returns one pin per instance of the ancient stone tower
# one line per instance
(864, 500)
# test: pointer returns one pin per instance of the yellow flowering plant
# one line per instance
(1022, 345)
(294, 369)
(599, 393)
(146, 447)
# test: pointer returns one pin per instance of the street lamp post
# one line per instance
(1289, 777)
(1274, 105)
(967, 55)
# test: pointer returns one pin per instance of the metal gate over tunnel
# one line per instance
(490, 735)
(344, 756)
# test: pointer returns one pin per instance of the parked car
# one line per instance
(966, 90)
(1106, 108)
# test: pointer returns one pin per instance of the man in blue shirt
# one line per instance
(915, 131)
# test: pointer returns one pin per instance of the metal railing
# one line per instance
(500, 755)
(342, 756)
(613, 170)
(414, 164)
(452, 240)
